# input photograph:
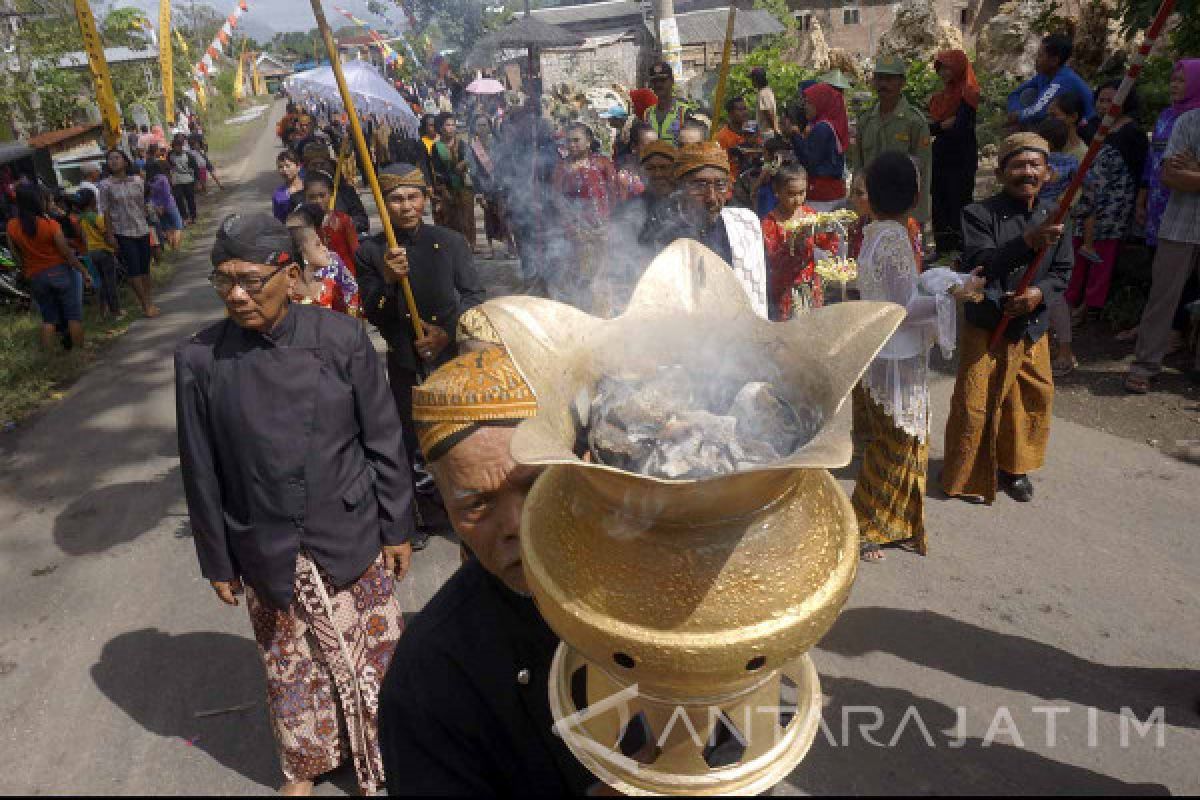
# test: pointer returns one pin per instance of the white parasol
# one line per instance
(372, 92)
(485, 86)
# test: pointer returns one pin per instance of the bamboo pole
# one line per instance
(1114, 112)
(364, 157)
(723, 77)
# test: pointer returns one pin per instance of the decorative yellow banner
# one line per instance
(239, 77)
(166, 62)
(98, 66)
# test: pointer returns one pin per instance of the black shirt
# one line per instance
(453, 717)
(444, 284)
(289, 440)
(993, 239)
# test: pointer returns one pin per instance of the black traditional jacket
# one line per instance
(464, 708)
(289, 440)
(992, 239)
(444, 284)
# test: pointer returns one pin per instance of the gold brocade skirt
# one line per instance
(889, 495)
(999, 414)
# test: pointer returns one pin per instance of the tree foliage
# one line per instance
(1135, 15)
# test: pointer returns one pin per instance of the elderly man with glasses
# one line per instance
(294, 470)
(700, 212)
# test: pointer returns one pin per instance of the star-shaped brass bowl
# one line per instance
(692, 590)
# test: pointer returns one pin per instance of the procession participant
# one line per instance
(184, 171)
(122, 195)
(464, 708)
(348, 200)
(337, 229)
(450, 169)
(636, 223)
(889, 494)
(999, 420)
(325, 279)
(766, 109)
(444, 283)
(795, 286)
(584, 185)
(292, 466)
(288, 167)
(669, 112)
(734, 234)
(892, 124)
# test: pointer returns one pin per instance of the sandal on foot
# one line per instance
(870, 552)
(1136, 384)
(1063, 368)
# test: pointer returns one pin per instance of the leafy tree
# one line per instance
(1135, 15)
(122, 27)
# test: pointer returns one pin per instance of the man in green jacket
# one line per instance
(892, 124)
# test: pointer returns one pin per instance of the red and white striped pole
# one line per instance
(1114, 112)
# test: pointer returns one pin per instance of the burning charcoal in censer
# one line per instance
(692, 561)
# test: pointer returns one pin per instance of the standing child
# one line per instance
(337, 230)
(100, 253)
(791, 265)
(889, 495)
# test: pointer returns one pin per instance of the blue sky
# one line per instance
(277, 15)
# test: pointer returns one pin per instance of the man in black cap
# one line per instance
(438, 264)
(294, 470)
(668, 115)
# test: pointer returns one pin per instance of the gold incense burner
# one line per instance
(687, 607)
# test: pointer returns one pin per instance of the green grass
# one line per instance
(30, 377)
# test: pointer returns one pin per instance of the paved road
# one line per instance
(112, 647)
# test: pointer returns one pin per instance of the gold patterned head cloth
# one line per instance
(657, 148)
(393, 176)
(692, 157)
(474, 325)
(1022, 143)
(472, 391)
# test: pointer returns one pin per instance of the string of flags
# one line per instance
(390, 56)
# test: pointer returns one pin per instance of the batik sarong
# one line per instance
(999, 413)
(889, 495)
(325, 659)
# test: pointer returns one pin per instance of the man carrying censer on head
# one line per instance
(296, 484)
(999, 422)
(464, 708)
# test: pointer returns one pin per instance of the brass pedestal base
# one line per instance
(641, 745)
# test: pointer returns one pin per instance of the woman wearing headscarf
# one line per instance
(955, 149)
(821, 146)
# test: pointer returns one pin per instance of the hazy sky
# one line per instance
(277, 15)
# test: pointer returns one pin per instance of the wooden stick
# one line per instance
(337, 172)
(1114, 112)
(364, 157)
(723, 77)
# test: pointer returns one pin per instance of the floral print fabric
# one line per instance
(325, 658)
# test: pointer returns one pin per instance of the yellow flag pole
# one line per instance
(101, 80)
(364, 157)
(723, 77)
(166, 61)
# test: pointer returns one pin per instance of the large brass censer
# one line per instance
(686, 608)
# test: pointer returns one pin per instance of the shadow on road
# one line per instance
(929, 760)
(116, 514)
(161, 681)
(990, 658)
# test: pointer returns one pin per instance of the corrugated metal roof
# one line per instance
(697, 27)
(588, 12)
(113, 55)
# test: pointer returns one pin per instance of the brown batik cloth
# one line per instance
(325, 658)
(889, 495)
(999, 414)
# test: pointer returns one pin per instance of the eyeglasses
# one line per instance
(700, 186)
(251, 284)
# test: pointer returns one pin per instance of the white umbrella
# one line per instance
(485, 86)
(371, 91)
